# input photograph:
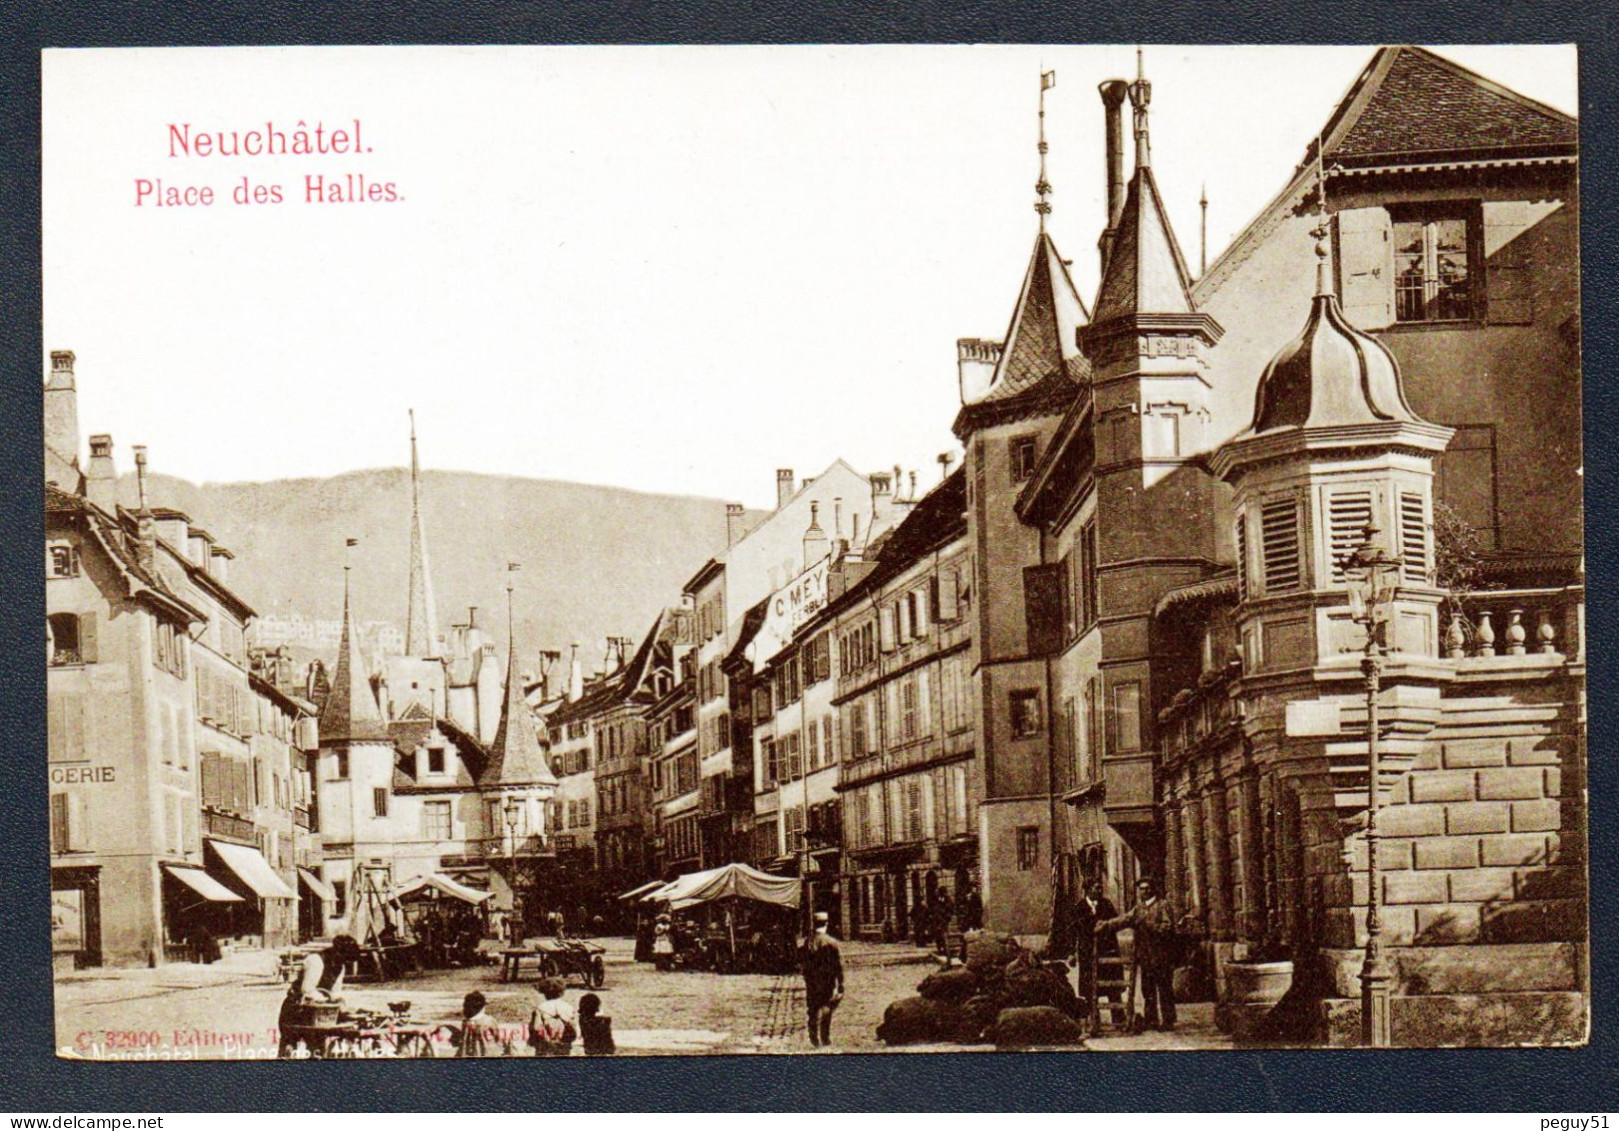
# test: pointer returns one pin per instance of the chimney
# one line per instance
(913, 486)
(837, 517)
(854, 530)
(472, 617)
(946, 459)
(976, 359)
(815, 540)
(146, 528)
(219, 559)
(733, 523)
(784, 486)
(899, 482)
(62, 411)
(101, 478)
(1113, 95)
(198, 543)
(576, 675)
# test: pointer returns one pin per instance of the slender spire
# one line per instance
(1323, 226)
(515, 757)
(421, 621)
(1140, 96)
(350, 713)
(1042, 187)
(1203, 233)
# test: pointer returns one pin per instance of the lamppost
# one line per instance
(514, 813)
(1373, 576)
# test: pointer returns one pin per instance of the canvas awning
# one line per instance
(202, 883)
(642, 890)
(253, 870)
(318, 886)
(439, 882)
(726, 882)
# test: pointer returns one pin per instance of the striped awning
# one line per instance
(252, 869)
(321, 889)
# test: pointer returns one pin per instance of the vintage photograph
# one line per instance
(591, 551)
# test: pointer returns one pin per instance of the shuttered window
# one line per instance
(1242, 557)
(1348, 514)
(1042, 606)
(1413, 536)
(1279, 532)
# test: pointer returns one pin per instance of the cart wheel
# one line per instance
(598, 972)
(548, 967)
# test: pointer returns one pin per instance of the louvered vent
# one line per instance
(1413, 536)
(1279, 531)
(1349, 515)
(1242, 557)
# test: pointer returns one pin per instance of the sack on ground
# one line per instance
(989, 952)
(1037, 1027)
(956, 985)
(918, 1020)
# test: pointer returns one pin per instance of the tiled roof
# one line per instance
(1145, 273)
(1416, 102)
(350, 713)
(117, 542)
(1040, 339)
(515, 757)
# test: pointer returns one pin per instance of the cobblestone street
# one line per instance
(228, 1010)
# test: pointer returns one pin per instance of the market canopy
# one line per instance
(439, 882)
(201, 883)
(727, 882)
(642, 890)
(253, 870)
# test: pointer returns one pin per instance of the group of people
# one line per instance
(1158, 939)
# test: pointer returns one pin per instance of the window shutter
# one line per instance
(1042, 608)
(1413, 536)
(949, 595)
(1365, 257)
(59, 834)
(88, 652)
(885, 632)
(902, 610)
(1279, 532)
(924, 702)
(1348, 515)
(920, 614)
(190, 824)
(1242, 557)
(1509, 293)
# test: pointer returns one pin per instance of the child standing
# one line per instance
(596, 1030)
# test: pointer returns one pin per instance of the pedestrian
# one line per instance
(823, 981)
(479, 1035)
(663, 944)
(319, 979)
(596, 1030)
(553, 1027)
(1089, 944)
(972, 913)
(1155, 949)
(943, 916)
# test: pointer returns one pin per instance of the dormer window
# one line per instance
(435, 759)
(61, 560)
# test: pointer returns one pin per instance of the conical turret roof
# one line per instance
(515, 757)
(1145, 272)
(1040, 339)
(350, 713)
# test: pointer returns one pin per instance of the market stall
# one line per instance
(446, 918)
(731, 919)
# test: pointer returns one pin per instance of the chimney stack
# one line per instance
(146, 528)
(101, 477)
(576, 675)
(837, 517)
(733, 523)
(784, 486)
(976, 359)
(1113, 95)
(815, 541)
(946, 459)
(62, 412)
(913, 486)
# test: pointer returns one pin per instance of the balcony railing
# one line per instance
(304, 817)
(227, 825)
(1516, 622)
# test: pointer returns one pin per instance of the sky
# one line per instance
(673, 269)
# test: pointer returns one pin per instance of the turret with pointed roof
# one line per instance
(515, 758)
(350, 713)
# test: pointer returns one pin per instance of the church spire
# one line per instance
(515, 757)
(350, 713)
(421, 622)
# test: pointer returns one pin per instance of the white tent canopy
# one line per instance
(727, 881)
(441, 883)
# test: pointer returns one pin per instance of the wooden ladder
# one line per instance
(1112, 976)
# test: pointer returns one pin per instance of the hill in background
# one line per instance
(596, 561)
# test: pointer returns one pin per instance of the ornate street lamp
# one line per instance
(1373, 575)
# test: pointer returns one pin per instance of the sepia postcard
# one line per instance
(604, 551)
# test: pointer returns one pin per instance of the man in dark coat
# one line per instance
(1089, 945)
(823, 981)
(1155, 950)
